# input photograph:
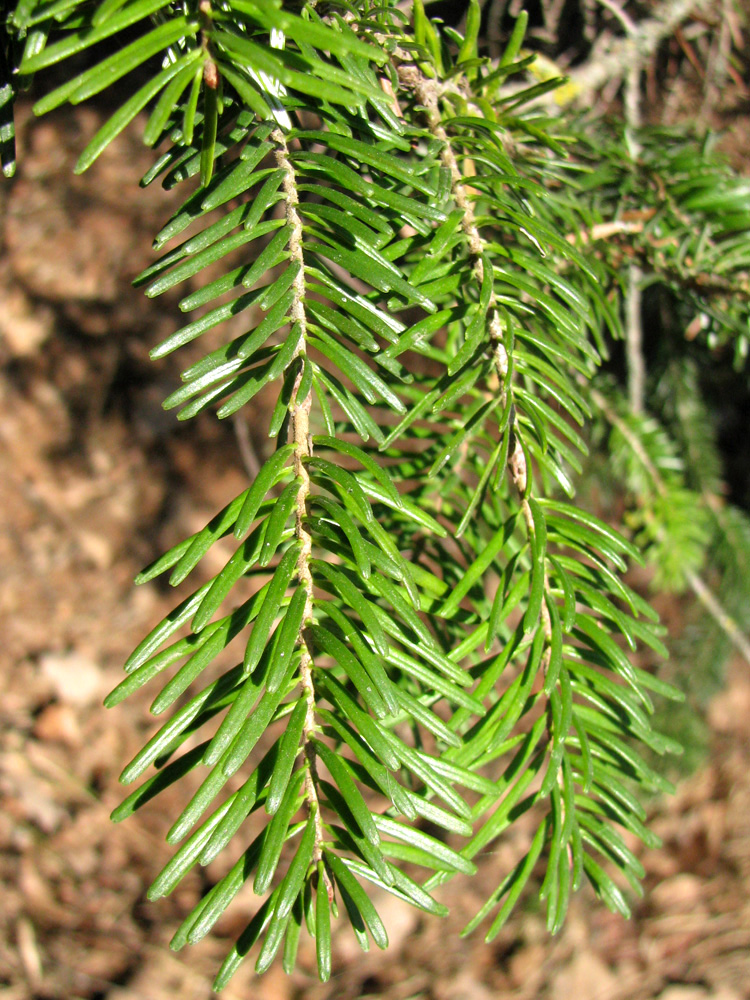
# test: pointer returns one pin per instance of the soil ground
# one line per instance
(94, 481)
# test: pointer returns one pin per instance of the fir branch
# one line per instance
(424, 230)
(300, 434)
(426, 93)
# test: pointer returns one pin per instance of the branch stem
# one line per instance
(300, 433)
(636, 363)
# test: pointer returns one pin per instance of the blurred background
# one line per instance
(95, 480)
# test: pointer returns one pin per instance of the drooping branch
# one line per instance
(426, 93)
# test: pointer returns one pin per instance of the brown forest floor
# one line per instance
(94, 480)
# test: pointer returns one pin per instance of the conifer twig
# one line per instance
(427, 95)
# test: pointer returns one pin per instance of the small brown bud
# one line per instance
(517, 466)
(210, 74)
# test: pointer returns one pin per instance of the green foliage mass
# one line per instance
(431, 633)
